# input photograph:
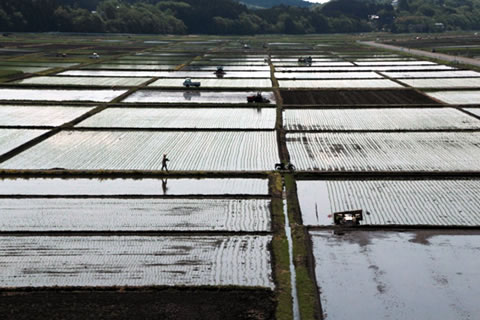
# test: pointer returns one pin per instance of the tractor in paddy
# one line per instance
(219, 72)
(307, 60)
(348, 218)
(189, 83)
(257, 98)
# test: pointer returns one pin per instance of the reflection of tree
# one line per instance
(164, 186)
(188, 95)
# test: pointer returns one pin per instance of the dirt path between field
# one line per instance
(434, 55)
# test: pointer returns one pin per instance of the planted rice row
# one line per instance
(139, 150)
(385, 151)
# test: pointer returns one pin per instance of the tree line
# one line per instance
(229, 17)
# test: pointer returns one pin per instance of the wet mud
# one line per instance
(155, 304)
(352, 97)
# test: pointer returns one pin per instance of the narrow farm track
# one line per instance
(421, 53)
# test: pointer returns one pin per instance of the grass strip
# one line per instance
(281, 264)
(308, 297)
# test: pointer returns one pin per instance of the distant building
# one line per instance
(439, 26)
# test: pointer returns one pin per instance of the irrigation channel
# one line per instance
(293, 275)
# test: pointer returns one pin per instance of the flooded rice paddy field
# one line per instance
(154, 61)
(474, 111)
(87, 204)
(146, 214)
(365, 68)
(85, 81)
(398, 275)
(185, 118)
(391, 202)
(103, 95)
(49, 65)
(13, 138)
(443, 83)
(385, 151)
(457, 97)
(215, 83)
(167, 74)
(378, 119)
(142, 150)
(23, 69)
(12, 187)
(386, 58)
(327, 75)
(314, 64)
(24, 115)
(136, 66)
(194, 96)
(136, 261)
(394, 63)
(222, 62)
(432, 74)
(111, 73)
(254, 70)
(293, 59)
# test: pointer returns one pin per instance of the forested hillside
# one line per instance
(229, 17)
(273, 3)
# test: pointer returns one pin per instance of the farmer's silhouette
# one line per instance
(164, 162)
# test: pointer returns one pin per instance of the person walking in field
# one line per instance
(164, 162)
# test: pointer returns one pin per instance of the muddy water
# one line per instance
(390, 275)
(56, 186)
